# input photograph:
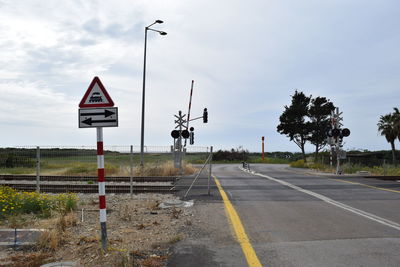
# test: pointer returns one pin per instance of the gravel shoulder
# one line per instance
(139, 232)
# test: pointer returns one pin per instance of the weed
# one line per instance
(164, 169)
(13, 203)
(175, 239)
(175, 213)
(125, 213)
(299, 164)
(87, 239)
(154, 205)
(153, 262)
(49, 240)
(28, 260)
(141, 226)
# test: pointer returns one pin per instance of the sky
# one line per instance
(246, 57)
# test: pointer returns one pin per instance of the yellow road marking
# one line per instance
(250, 254)
(370, 186)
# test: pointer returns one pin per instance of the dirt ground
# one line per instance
(140, 233)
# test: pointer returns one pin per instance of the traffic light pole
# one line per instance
(182, 124)
(180, 145)
(335, 139)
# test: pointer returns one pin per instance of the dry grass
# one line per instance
(153, 262)
(51, 239)
(164, 169)
(27, 260)
(126, 213)
(153, 205)
(175, 239)
(175, 213)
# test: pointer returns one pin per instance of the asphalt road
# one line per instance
(293, 218)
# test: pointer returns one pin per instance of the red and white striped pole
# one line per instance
(190, 107)
(262, 139)
(102, 187)
(190, 103)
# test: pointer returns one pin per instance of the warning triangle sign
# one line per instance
(96, 96)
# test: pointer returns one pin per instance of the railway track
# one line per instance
(88, 178)
(93, 188)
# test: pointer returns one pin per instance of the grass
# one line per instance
(253, 159)
(163, 169)
(116, 164)
(349, 168)
(387, 170)
(14, 203)
(32, 259)
(51, 239)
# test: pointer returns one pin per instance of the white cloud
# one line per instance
(246, 59)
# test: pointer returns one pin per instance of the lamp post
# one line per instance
(144, 86)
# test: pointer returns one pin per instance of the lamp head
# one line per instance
(163, 33)
(159, 21)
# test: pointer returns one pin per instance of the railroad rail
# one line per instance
(88, 178)
(93, 188)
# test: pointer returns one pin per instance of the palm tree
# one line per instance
(396, 115)
(388, 128)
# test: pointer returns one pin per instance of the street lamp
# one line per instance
(144, 86)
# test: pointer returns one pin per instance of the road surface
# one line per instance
(293, 218)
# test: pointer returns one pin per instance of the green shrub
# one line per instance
(299, 164)
(14, 202)
(317, 166)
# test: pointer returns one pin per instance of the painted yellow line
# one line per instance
(250, 254)
(370, 186)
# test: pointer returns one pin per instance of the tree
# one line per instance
(293, 122)
(319, 112)
(387, 126)
(396, 118)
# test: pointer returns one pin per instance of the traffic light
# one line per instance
(335, 132)
(205, 115)
(345, 132)
(328, 132)
(175, 134)
(185, 134)
(191, 136)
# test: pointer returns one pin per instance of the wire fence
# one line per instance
(82, 160)
(73, 167)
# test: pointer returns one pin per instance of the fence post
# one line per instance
(38, 169)
(131, 171)
(384, 167)
(209, 174)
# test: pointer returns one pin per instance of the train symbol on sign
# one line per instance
(95, 97)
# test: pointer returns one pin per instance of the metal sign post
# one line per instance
(97, 111)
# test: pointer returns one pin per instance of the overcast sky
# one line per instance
(246, 57)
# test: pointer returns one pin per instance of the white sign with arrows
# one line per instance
(98, 117)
